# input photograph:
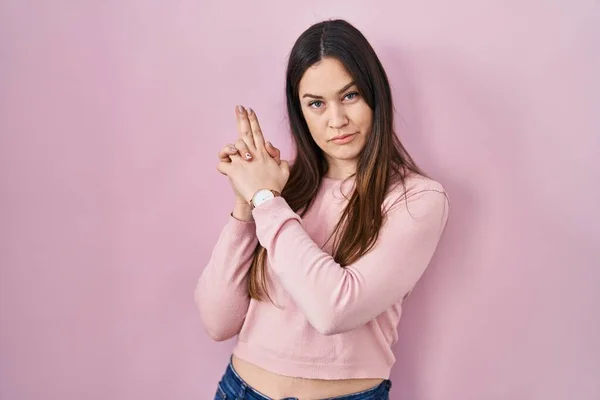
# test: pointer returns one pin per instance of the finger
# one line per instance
(224, 167)
(243, 125)
(227, 151)
(242, 149)
(274, 152)
(285, 167)
(259, 140)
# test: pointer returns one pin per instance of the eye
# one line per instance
(315, 104)
(351, 95)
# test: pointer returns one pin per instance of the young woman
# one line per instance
(316, 258)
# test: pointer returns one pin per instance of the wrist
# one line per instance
(242, 211)
(262, 196)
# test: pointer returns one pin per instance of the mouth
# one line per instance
(343, 138)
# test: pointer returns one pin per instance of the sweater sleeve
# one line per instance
(222, 291)
(336, 299)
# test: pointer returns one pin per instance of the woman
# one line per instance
(316, 259)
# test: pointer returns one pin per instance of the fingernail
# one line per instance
(233, 149)
(240, 109)
(250, 111)
(248, 156)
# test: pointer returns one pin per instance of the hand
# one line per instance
(240, 147)
(262, 173)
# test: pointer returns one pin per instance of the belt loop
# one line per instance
(242, 393)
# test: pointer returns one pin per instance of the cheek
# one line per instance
(315, 126)
(364, 117)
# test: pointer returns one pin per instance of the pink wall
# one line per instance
(111, 114)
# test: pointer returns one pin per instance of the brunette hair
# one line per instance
(382, 163)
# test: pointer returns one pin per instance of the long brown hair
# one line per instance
(382, 163)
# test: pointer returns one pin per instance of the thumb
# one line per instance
(274, 152)
(224, 167)
(285, 167)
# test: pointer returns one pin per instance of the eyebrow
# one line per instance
(314, 96)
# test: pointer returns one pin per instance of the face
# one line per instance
(337, 116)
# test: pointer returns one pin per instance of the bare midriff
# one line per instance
(279, 386)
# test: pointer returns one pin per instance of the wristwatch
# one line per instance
(262, 196)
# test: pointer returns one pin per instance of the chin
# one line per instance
(346, 155)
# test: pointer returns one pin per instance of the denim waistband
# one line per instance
(234, 383)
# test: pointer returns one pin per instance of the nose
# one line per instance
(338, 118)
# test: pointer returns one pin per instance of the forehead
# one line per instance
(324, 78)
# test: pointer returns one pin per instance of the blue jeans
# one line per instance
(233, 387)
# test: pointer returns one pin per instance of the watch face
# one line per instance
(261, 196)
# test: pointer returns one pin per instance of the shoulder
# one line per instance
(417, 191)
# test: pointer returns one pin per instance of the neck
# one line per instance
(340, 169)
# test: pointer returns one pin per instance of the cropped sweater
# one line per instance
(326, 320)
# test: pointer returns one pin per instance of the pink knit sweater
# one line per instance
(328, 322)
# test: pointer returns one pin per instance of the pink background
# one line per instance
(111, 115)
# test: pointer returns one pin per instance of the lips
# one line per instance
(341, 137)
